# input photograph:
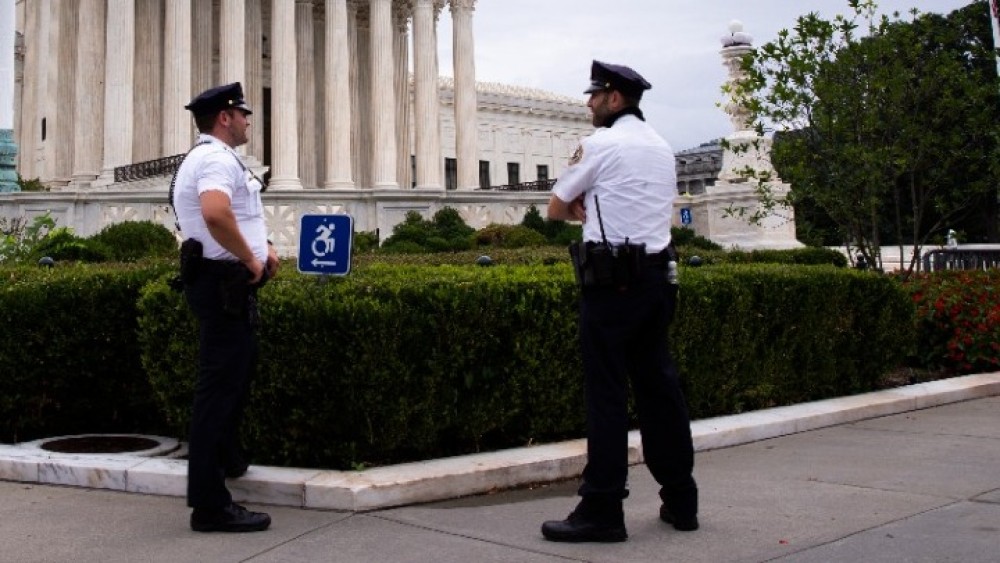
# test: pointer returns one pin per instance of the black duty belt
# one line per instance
(222, 267)
(659, 259)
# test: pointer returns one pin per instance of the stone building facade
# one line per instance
(341, 124)
(104, 83)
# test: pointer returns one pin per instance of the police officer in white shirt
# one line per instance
(225, 257)
(621, 183)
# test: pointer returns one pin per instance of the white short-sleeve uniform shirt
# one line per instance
(213, 165)
(630, 169)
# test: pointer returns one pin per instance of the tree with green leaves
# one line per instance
(885, 126)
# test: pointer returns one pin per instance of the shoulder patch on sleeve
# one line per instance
(577, 155)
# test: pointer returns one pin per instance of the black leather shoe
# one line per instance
(233, 518)
(575, 528)
(687, 524)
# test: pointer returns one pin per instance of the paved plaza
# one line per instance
(920, 485)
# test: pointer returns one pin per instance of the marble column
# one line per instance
(305, 44)
(232, 41)
(383, 112)
(401, 86)
(232, 46)
(88, 125)
(118, 76)
(177, 128)
(425, 97)
(357, 19)
(61, 99)
(203, 50)
(253, 87)
(37, 17)
(337, 97)
(8, 148)
(466, 128)
(148, 84)
(284, 118)
(319, 68)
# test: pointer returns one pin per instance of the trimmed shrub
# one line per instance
(533, 220)
(508, 236)
(446, 232)
(401, 363)
(69, 355)
(132, 240)
(364, 241)
(409, 362)
(807, 256)
(62, 244)
(683, 236)
(758, 336)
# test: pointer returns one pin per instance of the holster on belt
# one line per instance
(191, 253)
(604, 265)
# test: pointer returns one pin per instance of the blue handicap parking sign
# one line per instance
(325, 244)
(685, 216)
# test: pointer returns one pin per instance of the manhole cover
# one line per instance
(99, 444)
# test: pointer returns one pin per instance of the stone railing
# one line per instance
(148, 169)
(962, 257)
(538, 186)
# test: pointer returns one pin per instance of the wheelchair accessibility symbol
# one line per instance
(685, 216)
(325, 244)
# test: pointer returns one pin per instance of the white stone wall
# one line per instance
(88, 212)
(529, 127)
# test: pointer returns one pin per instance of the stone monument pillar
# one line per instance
(723, 212)
(8, 149)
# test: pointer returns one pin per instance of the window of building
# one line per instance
(543, 172)
(450, 174)
(413, 170)
(484, 174)
(513, 173)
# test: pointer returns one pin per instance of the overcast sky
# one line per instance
(674, 44)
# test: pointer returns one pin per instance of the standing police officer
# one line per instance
(621, 183)
(224, 258)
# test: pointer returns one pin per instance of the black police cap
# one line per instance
(217, 99)
(604, 76)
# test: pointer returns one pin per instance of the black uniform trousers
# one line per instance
(227, 359)
(623, 336)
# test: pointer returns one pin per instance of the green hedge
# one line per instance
(751, 337)
(392, 363)
(69, 355)
(403, 362)
(409, 362)
(805, 256)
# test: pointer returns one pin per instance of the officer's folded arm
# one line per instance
(221, 222)
(560, 210)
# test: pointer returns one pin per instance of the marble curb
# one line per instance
(440, 479)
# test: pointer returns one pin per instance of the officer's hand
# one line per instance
(272, 262)
(578, 210)
(256, 268)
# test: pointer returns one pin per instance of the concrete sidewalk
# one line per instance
(921, 485)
